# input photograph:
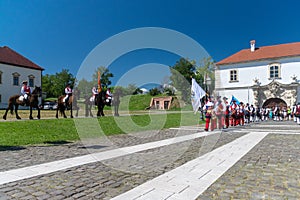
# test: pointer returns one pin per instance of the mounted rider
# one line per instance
(25, 92)
(68, 93)
(108, 96)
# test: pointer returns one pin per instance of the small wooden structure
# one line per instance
(161, 103)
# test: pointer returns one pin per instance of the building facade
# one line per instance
(264, 76)
(15, 68)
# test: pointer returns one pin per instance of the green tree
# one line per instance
(105, 77)
(181, 74)
(54, 85)
(206, 69)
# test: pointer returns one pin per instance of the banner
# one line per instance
(234, 99)
(196, 95)
(99, 82)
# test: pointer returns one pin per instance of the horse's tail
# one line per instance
(61, 109)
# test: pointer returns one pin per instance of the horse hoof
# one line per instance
(72, 117)
(18, 117)
(4, 118)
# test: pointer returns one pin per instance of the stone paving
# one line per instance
(269, 171)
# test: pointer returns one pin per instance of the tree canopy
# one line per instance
(54, 85)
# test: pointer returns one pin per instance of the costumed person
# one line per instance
(297, 114)
(25, 92)
(247, 113)
(241, 114)
(276, 113)
(108, 96)
(94, 94)
(219, 110)
(226, 113)
(234, 115)
(208, 115)
(252, 113)
(68, 93)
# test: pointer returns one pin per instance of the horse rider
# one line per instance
(68, 93)
(25, 91)
(108, 95)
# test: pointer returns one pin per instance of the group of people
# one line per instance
(26, 92)
(221, 114)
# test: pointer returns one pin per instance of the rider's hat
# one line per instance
(24, 82)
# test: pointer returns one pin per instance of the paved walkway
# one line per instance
(241, 163)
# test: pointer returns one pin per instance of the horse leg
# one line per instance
(30, 115)
(39, 112)
(5, 114)
(16, 111)
(71, 110)
(57, 112)
(90, 110)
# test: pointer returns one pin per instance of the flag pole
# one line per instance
(99, 82)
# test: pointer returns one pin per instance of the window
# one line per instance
(274, 71)
(16, 78)
(233, 76)
(31, 81)
(0, 77)
(0, 98)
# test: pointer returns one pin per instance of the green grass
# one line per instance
(20, 133)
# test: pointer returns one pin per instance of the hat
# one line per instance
(25, 82)
(225, 98)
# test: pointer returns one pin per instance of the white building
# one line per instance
(263, 76)
(15, 68)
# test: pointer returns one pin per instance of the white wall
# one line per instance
(7, 88)
(249, 71)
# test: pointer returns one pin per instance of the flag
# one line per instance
(197, 94)
(99, 82)
(234, 99)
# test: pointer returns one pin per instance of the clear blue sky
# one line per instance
(58, 34)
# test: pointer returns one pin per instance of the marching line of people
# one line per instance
(220, 114)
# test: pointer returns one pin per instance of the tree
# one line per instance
(54, 85)
(205, 69)
(105, 76)
(181, 74)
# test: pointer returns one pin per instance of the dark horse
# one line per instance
(100, 102)
(33, 102)
(72, 103)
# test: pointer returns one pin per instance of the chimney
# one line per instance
(252, 45)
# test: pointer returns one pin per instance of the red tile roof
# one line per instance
(261, 53)
(9, 56)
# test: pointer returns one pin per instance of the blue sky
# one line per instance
(58, 34)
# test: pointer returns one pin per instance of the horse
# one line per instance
(33, 102)
(102, 101)
(70, 104)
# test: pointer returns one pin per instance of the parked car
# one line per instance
(50, 106)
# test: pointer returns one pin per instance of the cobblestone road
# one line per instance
(268, 171)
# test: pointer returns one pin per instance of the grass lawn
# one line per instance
(48, 131)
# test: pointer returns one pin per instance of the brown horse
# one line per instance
(62, 106)
(72, 103)
(33, 102)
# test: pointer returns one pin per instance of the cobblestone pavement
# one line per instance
(270, 170)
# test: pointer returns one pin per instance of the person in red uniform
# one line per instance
(25, 91)
(234, 114)
(226, 113)
(208, 115)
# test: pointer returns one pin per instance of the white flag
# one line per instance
(197, 94)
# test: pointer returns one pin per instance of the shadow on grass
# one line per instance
(58, 142)
(11, 148)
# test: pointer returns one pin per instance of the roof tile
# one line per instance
(9, 56)
(266, 52)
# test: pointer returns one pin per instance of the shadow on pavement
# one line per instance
(11, 148)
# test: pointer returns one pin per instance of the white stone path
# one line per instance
(185, 182)
(193, 178)
(46, 168)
